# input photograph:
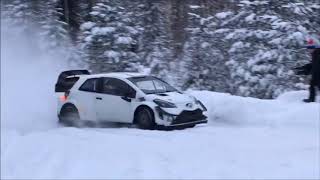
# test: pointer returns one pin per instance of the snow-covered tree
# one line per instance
(244, 47)
(265, 46)
(110, 39)
(204, 57)
(18, 12)
(43, 16)
(54, 29)
(155, 48)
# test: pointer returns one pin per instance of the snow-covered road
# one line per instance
(203, 152)
(231, 149)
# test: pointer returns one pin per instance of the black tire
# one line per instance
(145, 119)
(69, 116)
(191, 126)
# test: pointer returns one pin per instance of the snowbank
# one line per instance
(287, 110)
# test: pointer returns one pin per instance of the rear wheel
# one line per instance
(69, 116)
(145, 119)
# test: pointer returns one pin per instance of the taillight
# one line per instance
(65, 96)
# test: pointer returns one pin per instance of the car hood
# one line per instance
(174, 97)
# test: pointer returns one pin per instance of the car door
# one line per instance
(113, 103)
(85, 98)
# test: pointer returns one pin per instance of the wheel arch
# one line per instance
(67, 105)
(140, 107)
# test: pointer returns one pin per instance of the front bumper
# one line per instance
(186, 117)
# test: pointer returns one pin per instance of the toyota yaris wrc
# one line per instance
(144, 100)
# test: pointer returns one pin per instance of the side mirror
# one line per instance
(130, 94)
(126, 98)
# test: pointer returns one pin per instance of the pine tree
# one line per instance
(42, 16)
(264, 47)
(110, 38)
(204, 59)
(18, 12)
(245, 47)
(54, 29)
(155, 41)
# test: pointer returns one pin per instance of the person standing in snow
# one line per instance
(312, 68)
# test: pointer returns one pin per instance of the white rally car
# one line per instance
(143, 100)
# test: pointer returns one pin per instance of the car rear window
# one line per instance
(66, 84)
(67, 79)
(89, 85)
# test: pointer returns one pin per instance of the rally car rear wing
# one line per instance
(67, 79)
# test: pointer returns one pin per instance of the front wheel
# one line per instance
(145, 119)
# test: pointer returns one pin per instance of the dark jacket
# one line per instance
(312, 68)
(315, 68)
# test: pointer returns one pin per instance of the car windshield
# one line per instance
(152, 85)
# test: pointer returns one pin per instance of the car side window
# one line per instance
(90, 85)
(117, 87)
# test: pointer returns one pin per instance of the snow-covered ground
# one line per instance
(246, 138)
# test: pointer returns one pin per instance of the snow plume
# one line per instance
(28, 76)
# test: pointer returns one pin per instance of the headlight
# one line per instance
(200, 103)
(194, 99)
(164, 104)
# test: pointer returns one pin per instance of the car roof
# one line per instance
(121, 75)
